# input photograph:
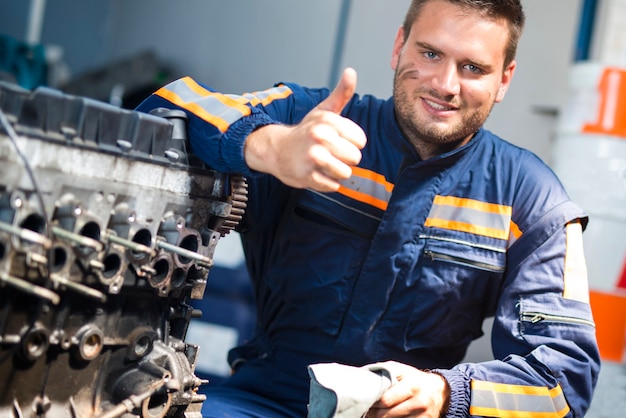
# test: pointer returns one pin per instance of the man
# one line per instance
(388, 230)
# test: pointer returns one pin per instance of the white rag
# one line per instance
(341, 391)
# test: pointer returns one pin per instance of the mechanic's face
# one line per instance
(448, 75)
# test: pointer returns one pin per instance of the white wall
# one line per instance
(234, 45)
(243, 45)
(372, 30)
(526, 116)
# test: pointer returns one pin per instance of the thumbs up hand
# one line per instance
(316, 153)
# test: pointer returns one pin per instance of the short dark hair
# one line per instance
(510, 10)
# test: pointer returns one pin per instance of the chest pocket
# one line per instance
(456, 288)
(335, 214)
(323, 243)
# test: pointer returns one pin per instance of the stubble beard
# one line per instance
(428, 138)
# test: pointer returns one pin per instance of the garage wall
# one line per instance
(235, 45)
(243, 45)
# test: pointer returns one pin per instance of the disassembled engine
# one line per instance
(107, 227)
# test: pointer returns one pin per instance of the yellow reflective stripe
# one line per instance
(517, 401)
(189, 95)
(576, 285)
(472, 216)
(367, 187)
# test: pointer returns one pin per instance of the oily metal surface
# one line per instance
(107, 228)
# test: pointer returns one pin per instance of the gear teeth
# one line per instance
(239, 201)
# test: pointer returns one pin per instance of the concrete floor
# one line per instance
(610, 397)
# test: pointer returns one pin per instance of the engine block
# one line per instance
(108, 227)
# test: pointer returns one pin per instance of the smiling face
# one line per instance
(448, 75)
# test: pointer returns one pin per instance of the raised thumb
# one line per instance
(342, 93)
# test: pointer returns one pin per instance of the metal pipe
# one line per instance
(340, 42)
(35, 21)
(30, 288)
(78, 239)
(199, 258)
(131, 245)
(26, 235)
(585, 29)
(79, 288)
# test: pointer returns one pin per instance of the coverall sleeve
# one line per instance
(543, 338)
(218, 123)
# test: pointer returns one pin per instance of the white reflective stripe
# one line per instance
(264, 97)
(576, 284)
(368, 187)
(218, 109)
(182, 90)
(501, 400)
(203, 103)
(471, 216)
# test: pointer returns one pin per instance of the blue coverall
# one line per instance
(403, 263)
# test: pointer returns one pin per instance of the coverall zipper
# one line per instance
(434, 256)
(535, 317)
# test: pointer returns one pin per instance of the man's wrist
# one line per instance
(445, 393)
(459, 392)
(232, 148)
(257, 148)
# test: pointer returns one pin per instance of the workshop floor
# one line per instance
(610, 397)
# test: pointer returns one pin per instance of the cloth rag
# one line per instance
(342, 391)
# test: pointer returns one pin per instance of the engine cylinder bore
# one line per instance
(142, 237)
(141, 342)
(112, 265)
(60, 258)
(35, 342)
(142, 346)
(157, 405)
(112, 269)
(89, 342)
(32, 230)
(91, 231)
(34, 222)
(162, 268)
(190, 242)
